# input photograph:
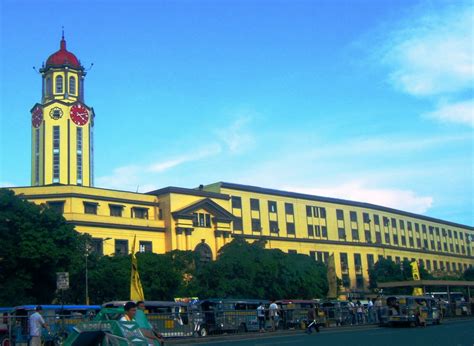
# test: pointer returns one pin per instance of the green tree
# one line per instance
(468, 274)
(37, 242)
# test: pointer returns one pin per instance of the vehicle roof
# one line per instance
(147, 303)
(58, 307)
(6, 309)
(407, 296)
(289, 301)
(230, 300)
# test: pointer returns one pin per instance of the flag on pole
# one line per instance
(332, 278)
(136, 289)
(417, 291)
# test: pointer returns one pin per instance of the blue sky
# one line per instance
(365, 100)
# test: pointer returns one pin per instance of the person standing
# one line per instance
(273, 312)
(261, 317)
(370, 311)
(36, 324)
(378, 309)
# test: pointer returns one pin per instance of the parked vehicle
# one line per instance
(294, 313)
(410, 310)
(230, 315)
(337, 312)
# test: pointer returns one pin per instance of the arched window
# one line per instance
(59, 84)
(49, 87)
(72, 85)
(204, 252)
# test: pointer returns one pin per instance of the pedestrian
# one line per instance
(360, 312)
(130, 312)
(261, 317)
(273, 312)
(312, 322)
(145, 326)
(36, 324)
(370, 311)
(352, 312)
(378, 309)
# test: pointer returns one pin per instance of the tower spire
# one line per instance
(63, 41)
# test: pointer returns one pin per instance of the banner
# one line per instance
(332, 278)
(417, 291)
(136, 289)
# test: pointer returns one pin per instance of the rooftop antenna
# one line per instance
(137, 188)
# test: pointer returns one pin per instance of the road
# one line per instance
(450, 333)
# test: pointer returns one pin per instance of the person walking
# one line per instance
(261, 317)
(312, 322)
(273, 312)
(36, 324)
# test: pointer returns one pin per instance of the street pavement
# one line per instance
(449, 333)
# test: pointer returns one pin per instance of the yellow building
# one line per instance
(206, 218)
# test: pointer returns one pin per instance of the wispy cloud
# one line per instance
(6, 184)
(237, 136)
(460, 112)
(358, 191)
(432, 56)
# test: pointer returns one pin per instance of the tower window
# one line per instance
(56, 141)
(72, 85)
(49, 86)
(59, 84)
(79, 155)
(37, 149)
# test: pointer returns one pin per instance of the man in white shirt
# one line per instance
(130, 312)
(273, 312)
(261, 317)
(36, 323)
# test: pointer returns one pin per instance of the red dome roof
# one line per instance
(63, 58)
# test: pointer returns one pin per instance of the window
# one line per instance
(409, 226)
(394, 223)
(290, 228)
(294, 252)
(49, 86)
(423, 228)
(317, 230)
(404, 240)
(139, 213)
(59, 84)
(449, 233)
(56, 141)
(353, 216)
(310, 231)
(340, 214)
(445, 247)
(461, 236)
(432, 244)
(121, 247)
(376, 220)
(448, 266)
(273, 227)
(435, 265)
(322, 213)
(289, 208)
(272, 206)
(254, 204)
(312, 254)
(366, 217)
(238, 224)
(344, 262)
(402, 224)
(346, 281)
(439, 246)
(417, 227)
(145, 246)
(202, 220)
(418, 242)
(236, 202)
(315, 211)
(451, 247)
(378, 238)
(358, 262)
(428, 265)
(431, 230)
(368, 236)
(57, 206)
(72, 85)
(386, 221)
(387, 238)
(370, 261)
(395, 239)
(256, 227)
(412, 242)
(116, 210)
(324, 231)
(355, 234)
(425, 244)
(309, 211)
(341, 232)
(37, 151)
(359, 281)
(90, 208)
(397, 259)
(97, 246)
(79, 155)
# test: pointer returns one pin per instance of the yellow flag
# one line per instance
(136, 289)
(332, 279)
(417, 291)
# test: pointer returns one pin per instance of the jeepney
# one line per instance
(224, 315)
(337, 312)
(409, 310)
(294, 313)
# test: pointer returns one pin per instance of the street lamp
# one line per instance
(87, 249)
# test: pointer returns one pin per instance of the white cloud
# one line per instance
(357, 191)
(236, 136)
(6, 184)
(460, 112)
(433, 54)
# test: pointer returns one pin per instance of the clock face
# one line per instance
(37, 116)
(79, 114)
(56, 113)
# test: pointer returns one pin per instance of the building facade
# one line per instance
(206, 218)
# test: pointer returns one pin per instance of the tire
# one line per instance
(242, 328)
(203, 332)
(5, 341)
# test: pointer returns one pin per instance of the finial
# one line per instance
(63, 41)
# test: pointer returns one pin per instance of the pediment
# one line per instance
(208, 205)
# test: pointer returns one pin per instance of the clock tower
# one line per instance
(61, 137)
